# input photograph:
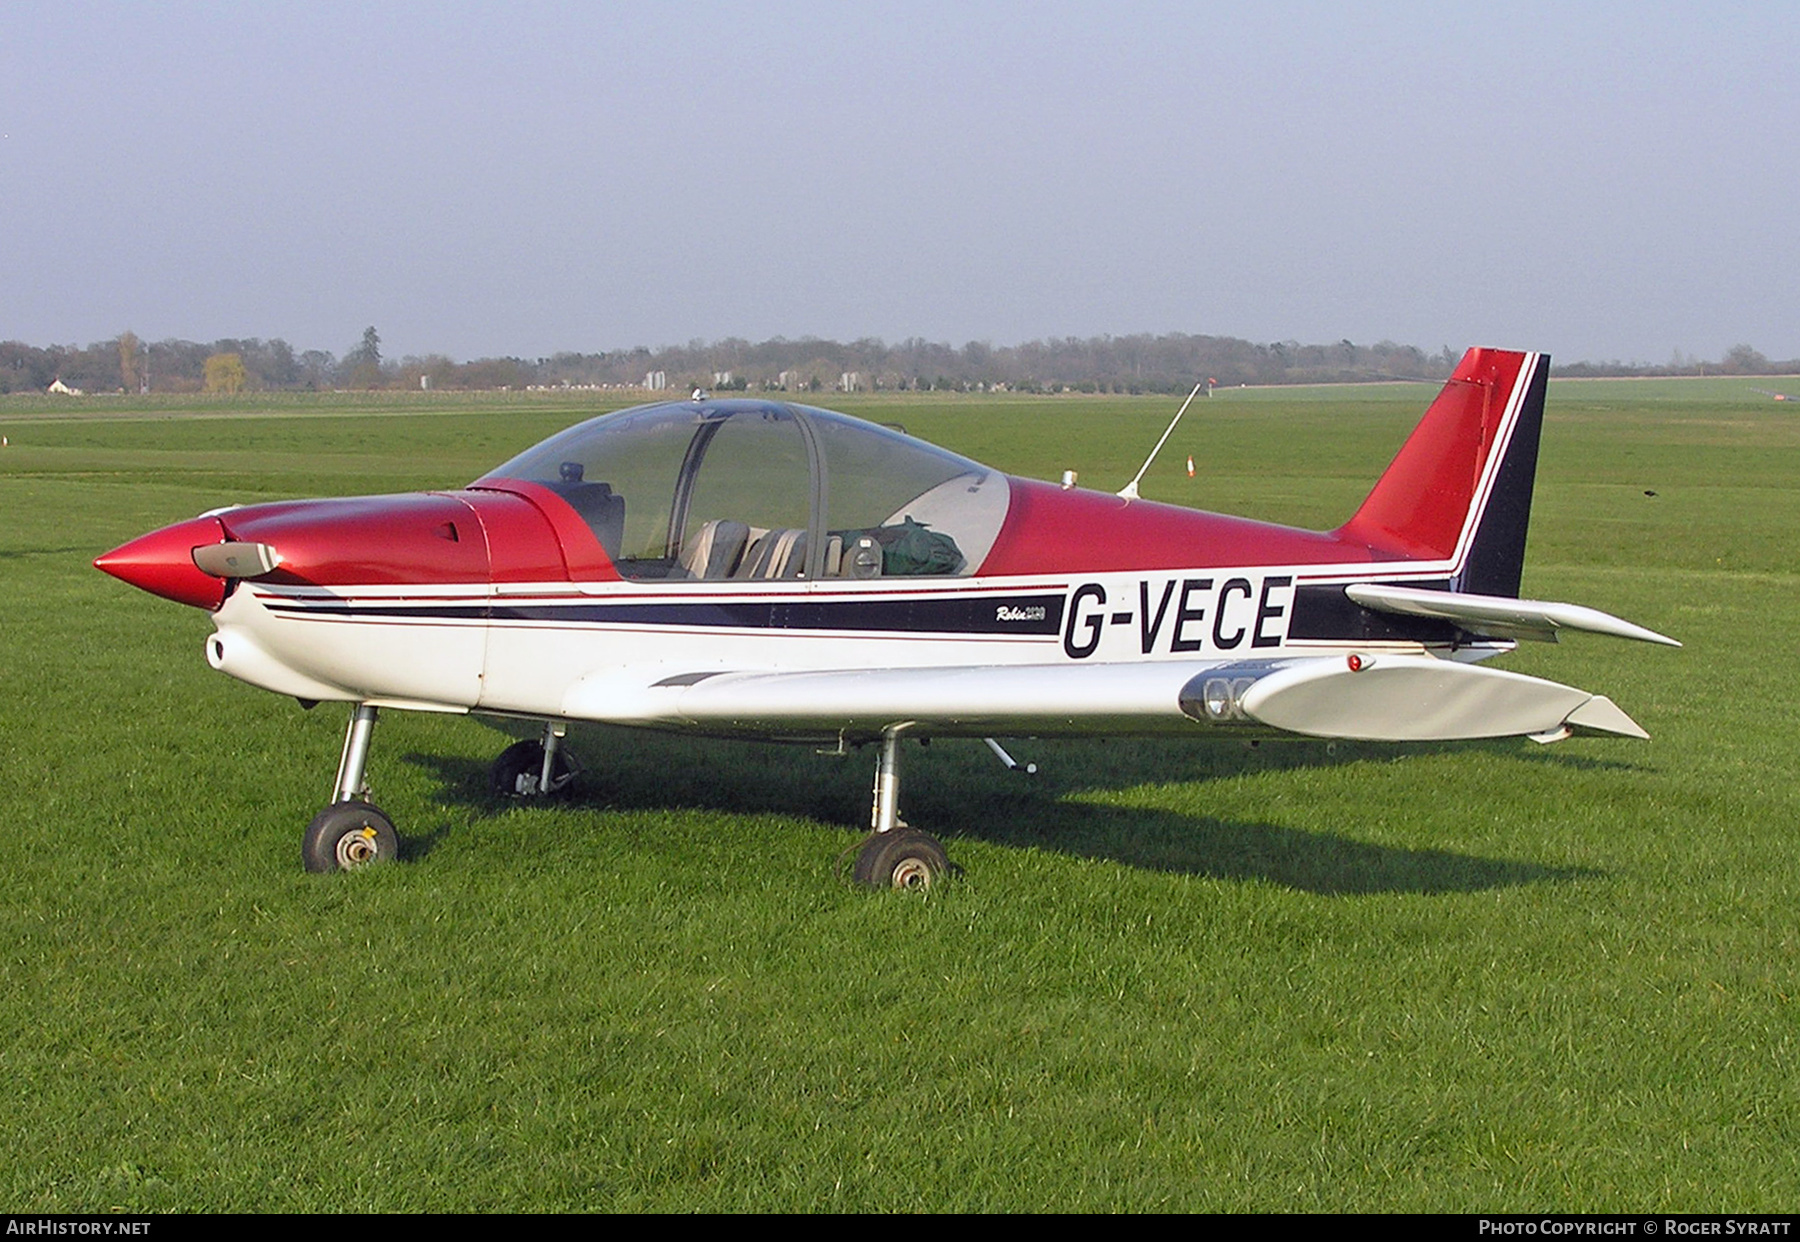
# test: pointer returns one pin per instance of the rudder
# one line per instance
(1459, 491)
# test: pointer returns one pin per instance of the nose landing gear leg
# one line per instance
(351, 832)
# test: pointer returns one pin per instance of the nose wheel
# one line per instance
(352, 832)
(346, 836)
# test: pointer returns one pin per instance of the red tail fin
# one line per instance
(1460, 489)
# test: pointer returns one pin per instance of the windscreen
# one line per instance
(726, 489)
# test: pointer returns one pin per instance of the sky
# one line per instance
(1604, 181)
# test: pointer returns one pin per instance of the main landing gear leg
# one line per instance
(351, 832)
(895, 856)
(535, 768)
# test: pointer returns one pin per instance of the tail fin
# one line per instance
(1459, 490)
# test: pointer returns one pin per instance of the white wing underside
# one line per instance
(1390, 698)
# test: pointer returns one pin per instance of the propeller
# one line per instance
(236, 559)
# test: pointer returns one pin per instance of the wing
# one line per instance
(976, 701)
(1375, 698)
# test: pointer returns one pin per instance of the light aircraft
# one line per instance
(761, 569)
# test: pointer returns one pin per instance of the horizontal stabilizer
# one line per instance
(1498, 616)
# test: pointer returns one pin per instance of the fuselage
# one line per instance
(471, 601)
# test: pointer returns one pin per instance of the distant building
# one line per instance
(656, 381)
(721, 379)
(850, 381)
(57, 386)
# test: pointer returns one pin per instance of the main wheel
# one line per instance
(348, 835)
(904, 858)
(519, 771)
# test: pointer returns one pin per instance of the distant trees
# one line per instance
(364, 362)
(24, 368)
(1169, 363)
(1742, 360)
(126, 363)
(279, 369)
(317, 368)
(1738, 360)
(130, 365)
(494, 373)
(431, 371)
(225, 374)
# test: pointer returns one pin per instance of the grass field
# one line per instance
(1193, 977)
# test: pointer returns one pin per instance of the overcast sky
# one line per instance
(1602, 181)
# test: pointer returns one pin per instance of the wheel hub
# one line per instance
(356, 848)
(912, 873)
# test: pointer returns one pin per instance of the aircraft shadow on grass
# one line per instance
(959, 791)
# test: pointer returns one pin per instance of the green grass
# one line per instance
(1197, 977)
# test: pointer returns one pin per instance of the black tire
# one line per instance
(520, 767)
(904, 858)
(348, 835)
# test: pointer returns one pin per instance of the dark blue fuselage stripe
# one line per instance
(1325, 613)
(1010, 614)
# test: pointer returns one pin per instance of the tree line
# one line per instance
(1167, 363)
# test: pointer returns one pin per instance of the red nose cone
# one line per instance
(162, 563)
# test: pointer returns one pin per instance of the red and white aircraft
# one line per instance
(760, 569)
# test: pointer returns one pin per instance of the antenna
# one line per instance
(1130, 490)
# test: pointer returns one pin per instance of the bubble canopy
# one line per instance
(747, 489)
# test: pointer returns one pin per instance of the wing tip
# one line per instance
(1603, 715)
